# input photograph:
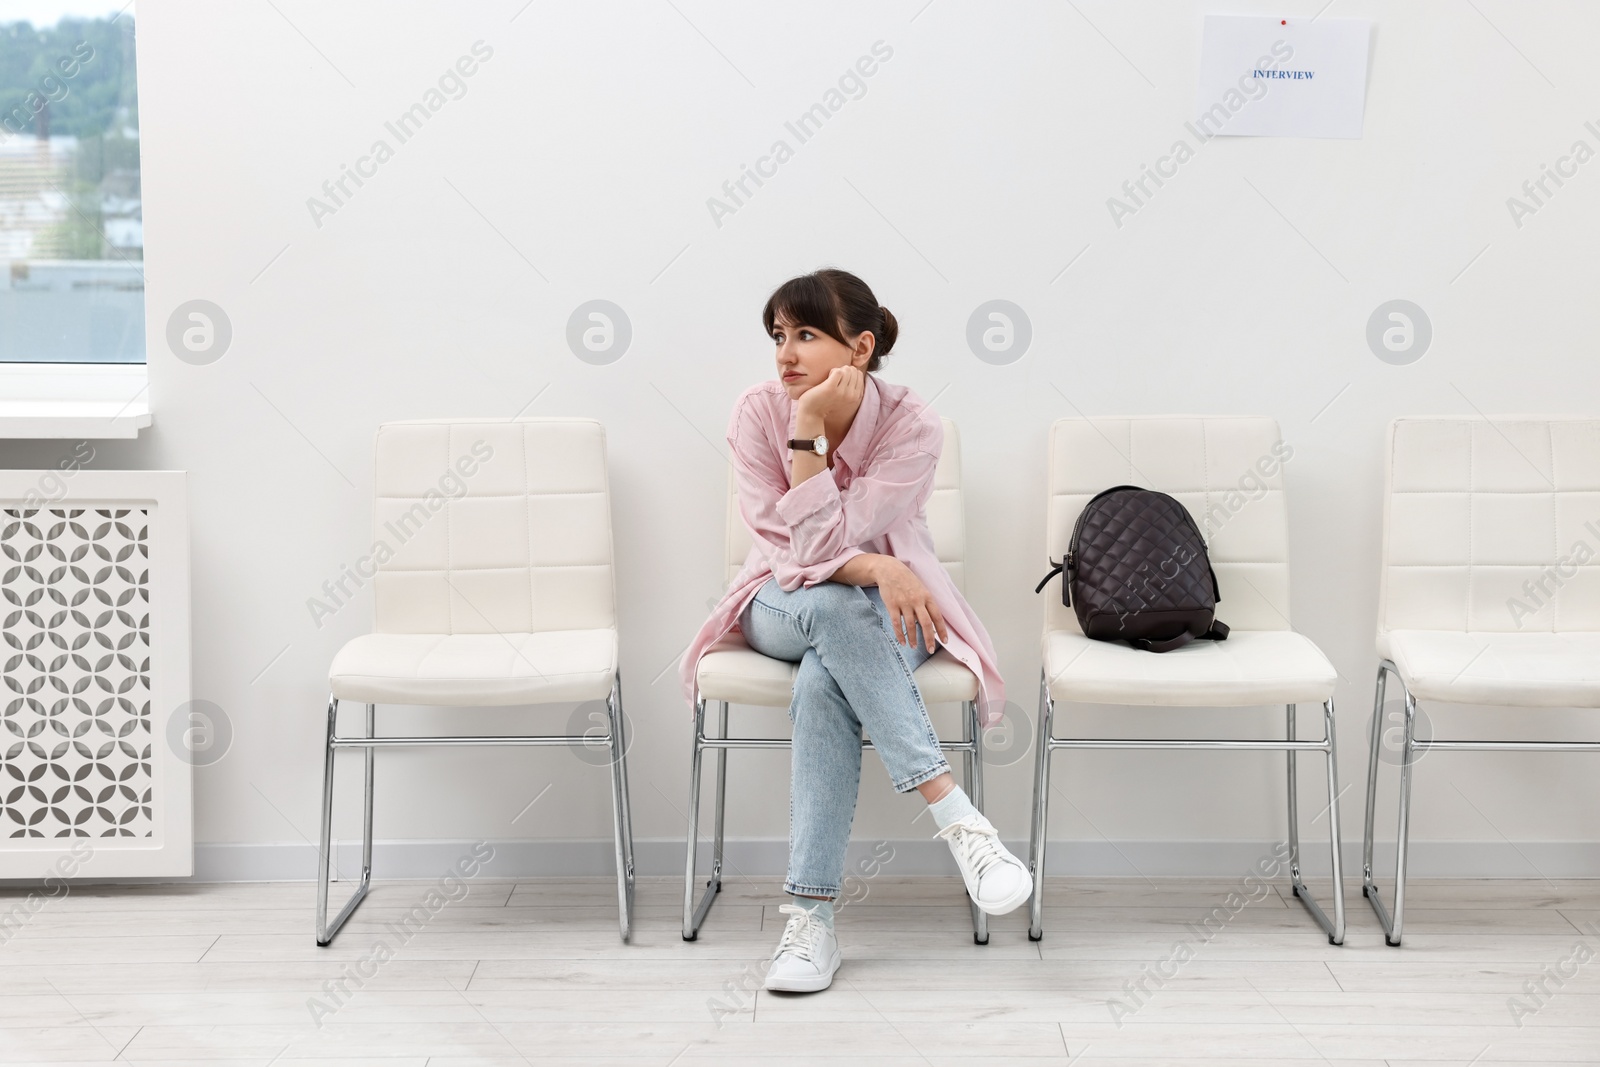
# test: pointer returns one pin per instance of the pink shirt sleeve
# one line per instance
(808, 532)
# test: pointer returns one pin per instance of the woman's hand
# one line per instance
(837, 396)
(909, 603)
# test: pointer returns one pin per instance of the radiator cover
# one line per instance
(94, 618)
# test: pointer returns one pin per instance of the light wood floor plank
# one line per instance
(37, 979)
(532, 971)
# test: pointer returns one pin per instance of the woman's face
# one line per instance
(805, 355)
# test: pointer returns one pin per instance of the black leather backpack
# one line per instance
(1136, 570)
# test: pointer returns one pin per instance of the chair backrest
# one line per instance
(946, 517)
(492, 525)
(1228, 471)
(1491, 524)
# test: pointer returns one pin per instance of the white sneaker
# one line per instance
(996, 880)
(807, 955)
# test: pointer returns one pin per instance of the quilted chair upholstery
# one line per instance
(1489, 588)
(499, 589)
(491, 571)
(1228, 472)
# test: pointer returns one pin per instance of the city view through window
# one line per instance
(71, 224)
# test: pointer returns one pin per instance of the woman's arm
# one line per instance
(805, 465)
(806, 531)
(759, 471)
(859, 570)
(906, 598)
(824, 522)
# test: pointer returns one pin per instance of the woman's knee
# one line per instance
(817, 693)
(813, 684)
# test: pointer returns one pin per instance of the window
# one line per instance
(71, 225)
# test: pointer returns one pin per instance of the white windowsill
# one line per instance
(93, 401)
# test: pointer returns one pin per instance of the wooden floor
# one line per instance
(533, 972)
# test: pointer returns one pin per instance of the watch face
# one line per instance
(821, 446)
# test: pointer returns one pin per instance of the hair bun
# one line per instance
(891, 330)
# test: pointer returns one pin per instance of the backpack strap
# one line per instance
(1057, 568)
(1162, 646)
(1218, 632)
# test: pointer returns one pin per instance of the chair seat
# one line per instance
(1251, 667)
(1531, 670)
(476, 670)
(731, 670)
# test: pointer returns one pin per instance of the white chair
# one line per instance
(731, 672)
(497, 589)
(1482, 600)
(1228, 473)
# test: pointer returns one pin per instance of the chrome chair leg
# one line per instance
(622, 830)
(694, 912)
(1048, 743)
(1336, 935)
(366, 801)
(975, 787)
(719, 813)
(325, 859)
(1041, 808)
(1294, 802)
(692, 915)
(1335, 927)
(617, 739)
(972, 776)
(627, 803)
(1369, 887)
(1403, 839)
(326, 843)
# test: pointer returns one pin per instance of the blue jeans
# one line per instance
(853, 673)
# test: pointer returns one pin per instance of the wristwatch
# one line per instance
(819, 445)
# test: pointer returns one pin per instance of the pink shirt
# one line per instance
(872, 500)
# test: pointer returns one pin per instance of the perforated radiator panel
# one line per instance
(75, 747)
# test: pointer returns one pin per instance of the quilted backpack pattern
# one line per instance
(1136, 570)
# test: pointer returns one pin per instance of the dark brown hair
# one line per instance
(837, 303)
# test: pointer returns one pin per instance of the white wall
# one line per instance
(976, 166)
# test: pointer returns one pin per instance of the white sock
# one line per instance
(952, 807)
(822, 909)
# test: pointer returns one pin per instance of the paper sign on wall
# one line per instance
(1268, 77)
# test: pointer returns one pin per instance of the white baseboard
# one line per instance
(294, 861)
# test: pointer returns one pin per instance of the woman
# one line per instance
(834, 470)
